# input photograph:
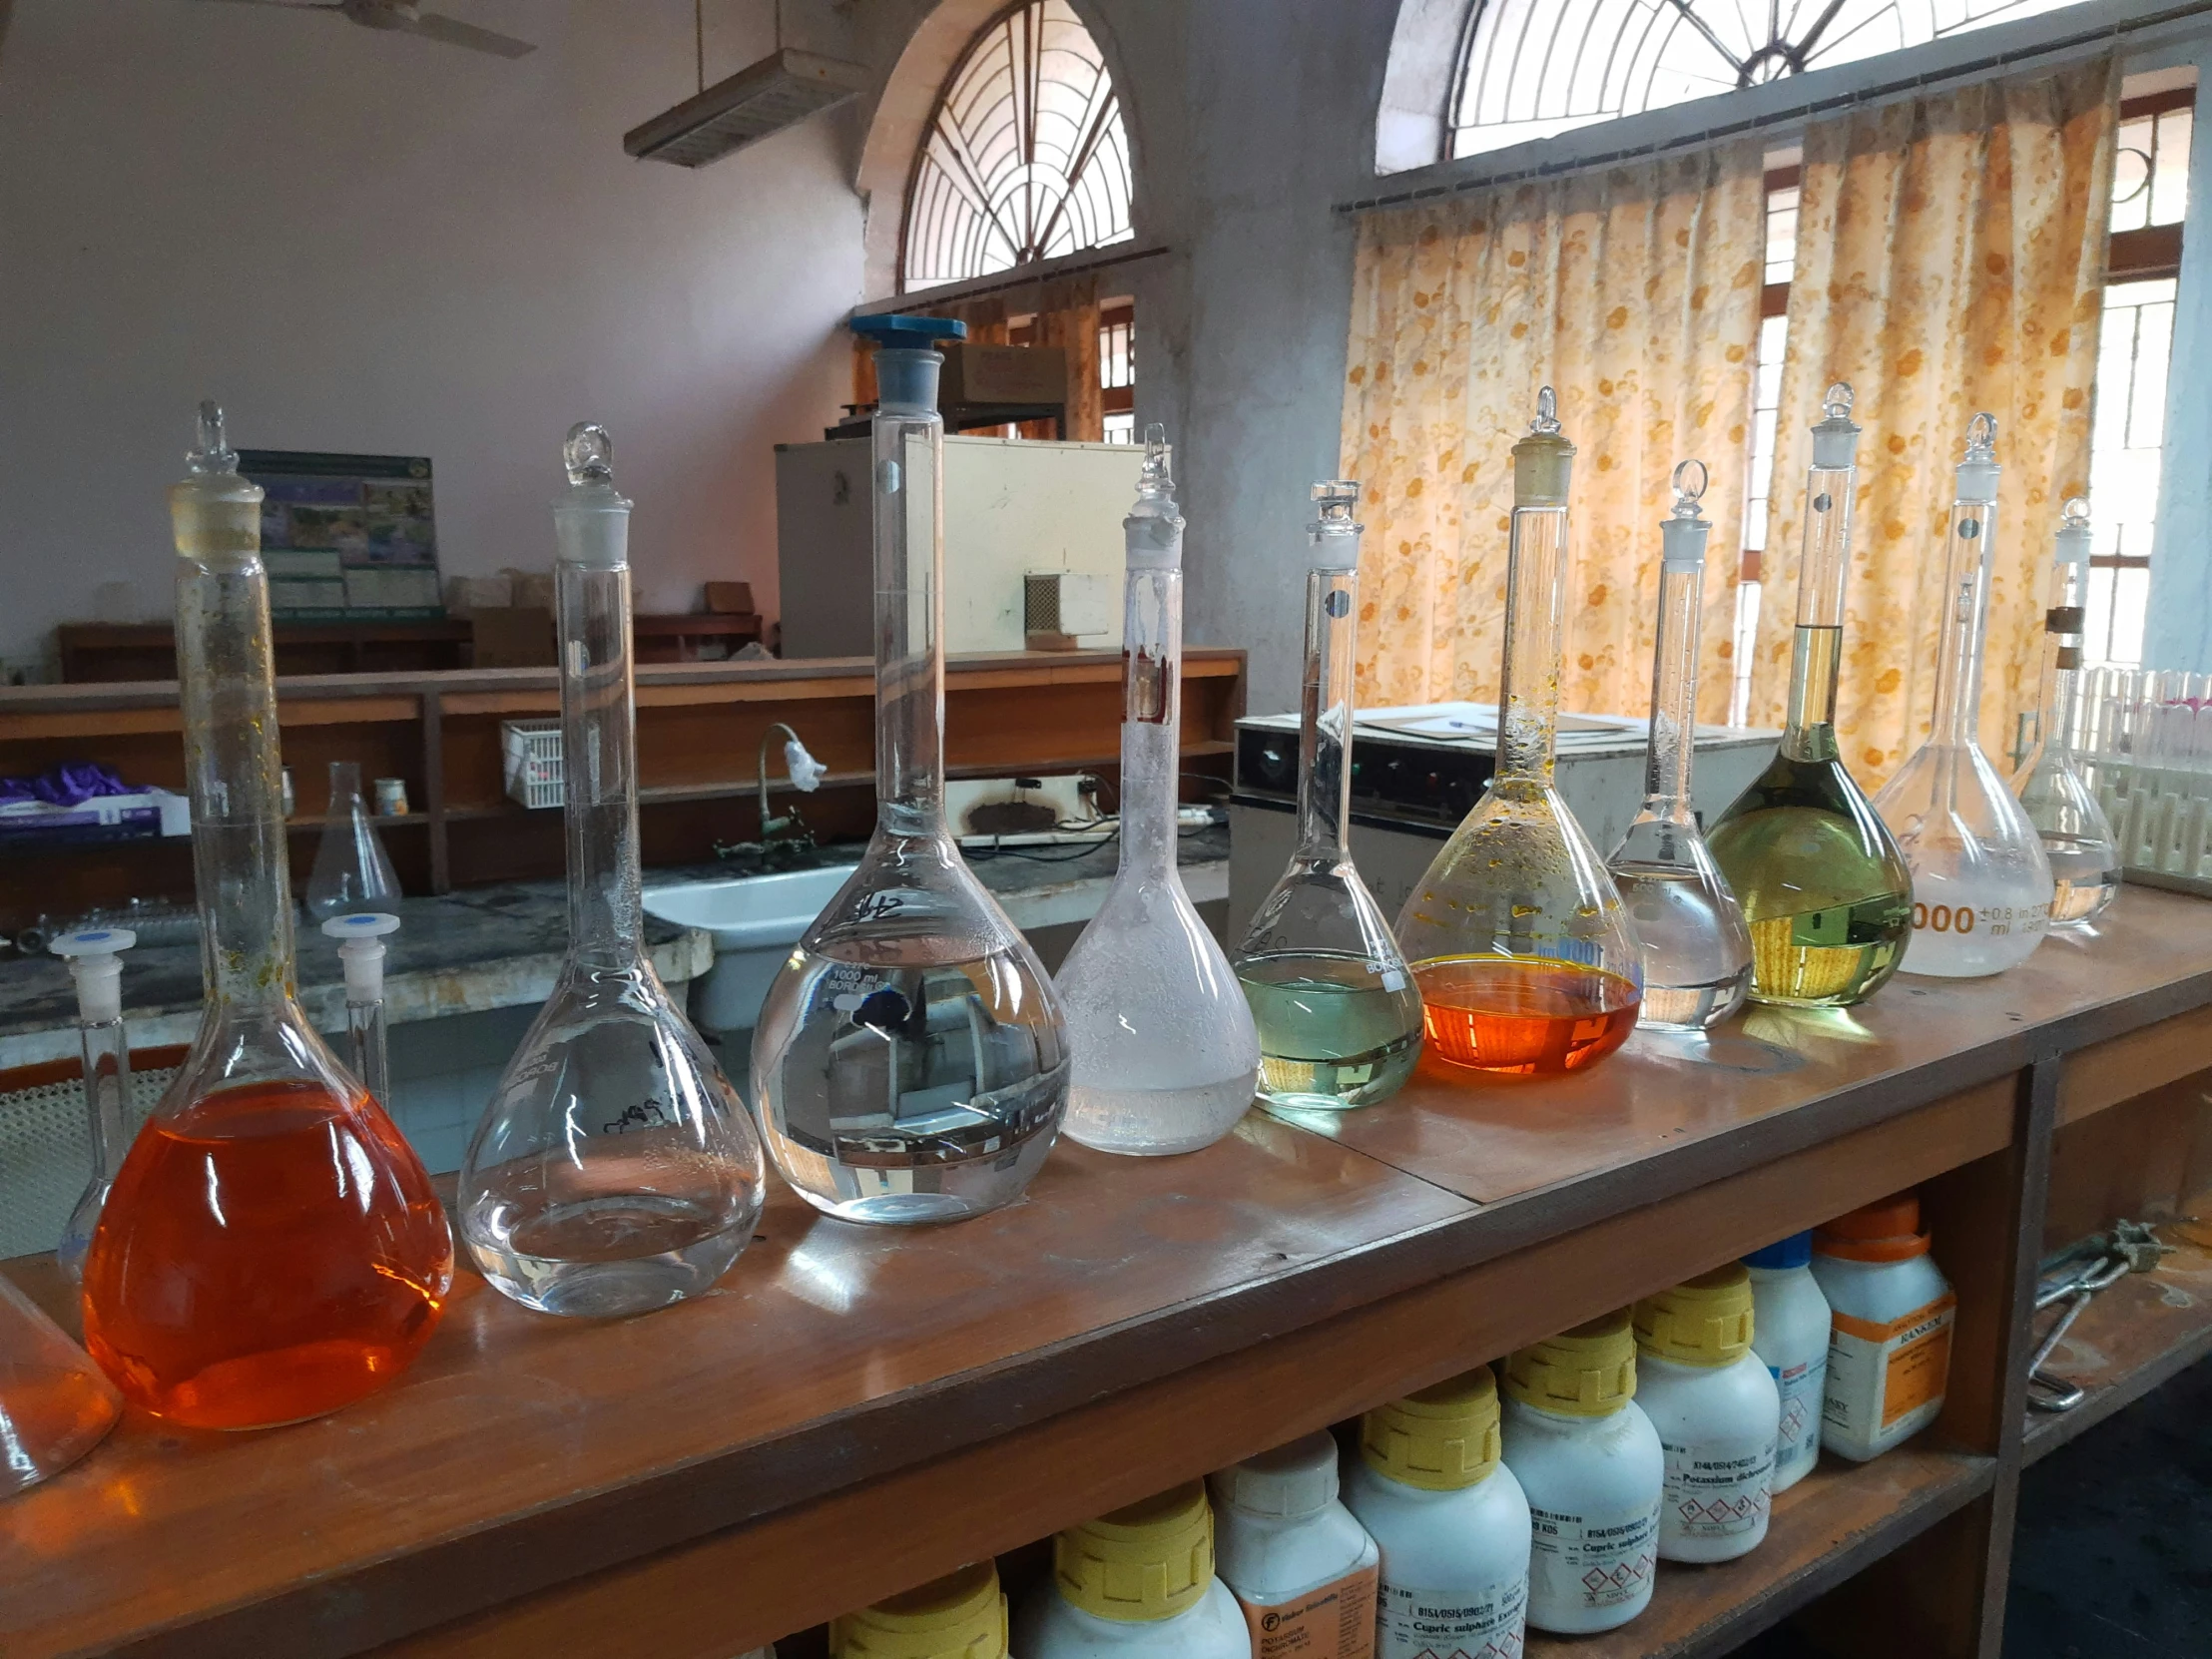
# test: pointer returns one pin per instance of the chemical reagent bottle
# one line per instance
(960, 1616)
(1300, 1566)
(1891, 1319)
(1137, 1583)
(1789, 1332)
(1717, 1412)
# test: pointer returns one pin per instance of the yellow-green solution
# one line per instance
(1333, 1033)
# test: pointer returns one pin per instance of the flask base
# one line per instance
(605, 1258)
(922, 1193)
(1157, 1123)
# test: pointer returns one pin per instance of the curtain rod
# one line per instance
(2051, 50)
(1021, 276)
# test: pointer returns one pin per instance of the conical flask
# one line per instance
(615, 1169)
(1338, 1014)
(1823, 887)
(911, 1063)
(1518, 939)
(352, 870)
(95, 962)
(1164, 1051)
(1982, 885)
(2077, 837)
(53, 1404)
(1695, 949)
(272, 1248)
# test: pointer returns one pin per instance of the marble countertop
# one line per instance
(501, 946)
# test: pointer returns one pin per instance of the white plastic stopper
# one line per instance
(360, 939)
(96, 966)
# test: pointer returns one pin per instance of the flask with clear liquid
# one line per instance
(615, 1169)
(1523, 954)
(1823, 887)
(911, 1061)
(1336, 1010)
(2077, 837)
(95, 957)
(351, 870)
(1981, 884)
(1161, 1038)
(360, 939)
(271, 1249)
(1695, 949)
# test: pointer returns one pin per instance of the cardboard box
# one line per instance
(513, 636)
(1003, 374)
(728, 598)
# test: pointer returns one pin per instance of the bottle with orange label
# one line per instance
(1300, 1566)
(1888, 1346)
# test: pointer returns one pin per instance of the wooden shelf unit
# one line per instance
(853, 1412)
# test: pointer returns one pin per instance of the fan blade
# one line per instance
(453, 32)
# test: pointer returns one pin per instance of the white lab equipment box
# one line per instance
(1012, 508)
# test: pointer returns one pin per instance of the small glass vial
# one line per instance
(1717, 1412)
(1696, 948)
(1594, 1472)
(1300, 1566)
(1789, 1332)
(95, 957)
(1892, 1311)
(1137, 1583)
(960, 1616)
(1450, 1518)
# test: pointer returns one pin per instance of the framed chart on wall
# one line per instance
(346, 538)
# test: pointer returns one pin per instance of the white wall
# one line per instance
(364, 242)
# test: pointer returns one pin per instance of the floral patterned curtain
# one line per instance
(1949, 259)
(1635, 294)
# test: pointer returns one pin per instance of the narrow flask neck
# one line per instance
(1966, 600)
(1152, 715)
(1670, 755)
(599, 740)
(107, 1061)
(1325, 714)
(1823, 569)
(909, 463)
(1535, 594)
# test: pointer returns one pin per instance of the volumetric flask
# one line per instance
(2077, 837)
(1823, 887)
(1337, 1013)
(1160, 1040)
(911, 1063)
(272, 1248)
(53, 1404)
(352, 870)
(615, 1169)
(95, 962)
(1518, 939)
(1982, 887)
(1696, 950)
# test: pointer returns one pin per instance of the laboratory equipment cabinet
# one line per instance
(853, 1415)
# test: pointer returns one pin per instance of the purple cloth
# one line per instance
(71, 783)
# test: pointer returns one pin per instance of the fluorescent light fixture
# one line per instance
(779, 91)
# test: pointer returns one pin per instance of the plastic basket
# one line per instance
(531, 754)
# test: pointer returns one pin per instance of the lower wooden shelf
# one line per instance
(2131, 1338)
(1824, 1529)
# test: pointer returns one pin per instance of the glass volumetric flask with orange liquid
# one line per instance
(271, 1249)
(1525, 960)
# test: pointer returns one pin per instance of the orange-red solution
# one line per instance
(1523, 1016)
(268, 1254)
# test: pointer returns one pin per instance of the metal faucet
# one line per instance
(784, 840)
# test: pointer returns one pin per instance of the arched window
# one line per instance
(1533, 68)
(1025, 158)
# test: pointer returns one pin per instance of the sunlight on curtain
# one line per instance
(1949, 259)
(1635, 293)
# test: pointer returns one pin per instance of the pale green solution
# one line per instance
(1332, 1037)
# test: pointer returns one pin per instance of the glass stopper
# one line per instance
(1335, 500)
(2074, 515)
(211, 453)
(1546, 423)
(1690, 479)
(590, 454)
(1837, 405)
(1157, 482)
(1981, 437)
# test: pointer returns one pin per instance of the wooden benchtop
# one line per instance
(836, 1363)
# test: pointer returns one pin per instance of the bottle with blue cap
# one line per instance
(95, 959)
(911, 1063)
(1790, 1335)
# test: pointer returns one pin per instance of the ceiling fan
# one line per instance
(404, 17)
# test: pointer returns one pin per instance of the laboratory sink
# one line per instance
(754, 922)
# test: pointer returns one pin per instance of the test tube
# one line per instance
(360, 937)
(94, 960)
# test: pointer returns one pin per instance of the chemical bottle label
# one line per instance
(1600, 1560)
(1719, 1490)
(1335, 1621)
(1488, 1623)
(1886, 1379)
(1804, 1391)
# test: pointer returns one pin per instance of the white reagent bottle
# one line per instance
(1717, 1412)
(1888, 1343)
(1300, 1566)
(960, 1616)
(1451, 1521)
(1590, 1462)
(1789, 1332)
(1136, 1584)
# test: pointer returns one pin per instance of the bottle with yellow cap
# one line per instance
(1717, 1412)
(960, 1616)
(1450, 1518)
(1591, 1464)
(1300, 1566)
(1136, 1584)
(1888, 1340)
